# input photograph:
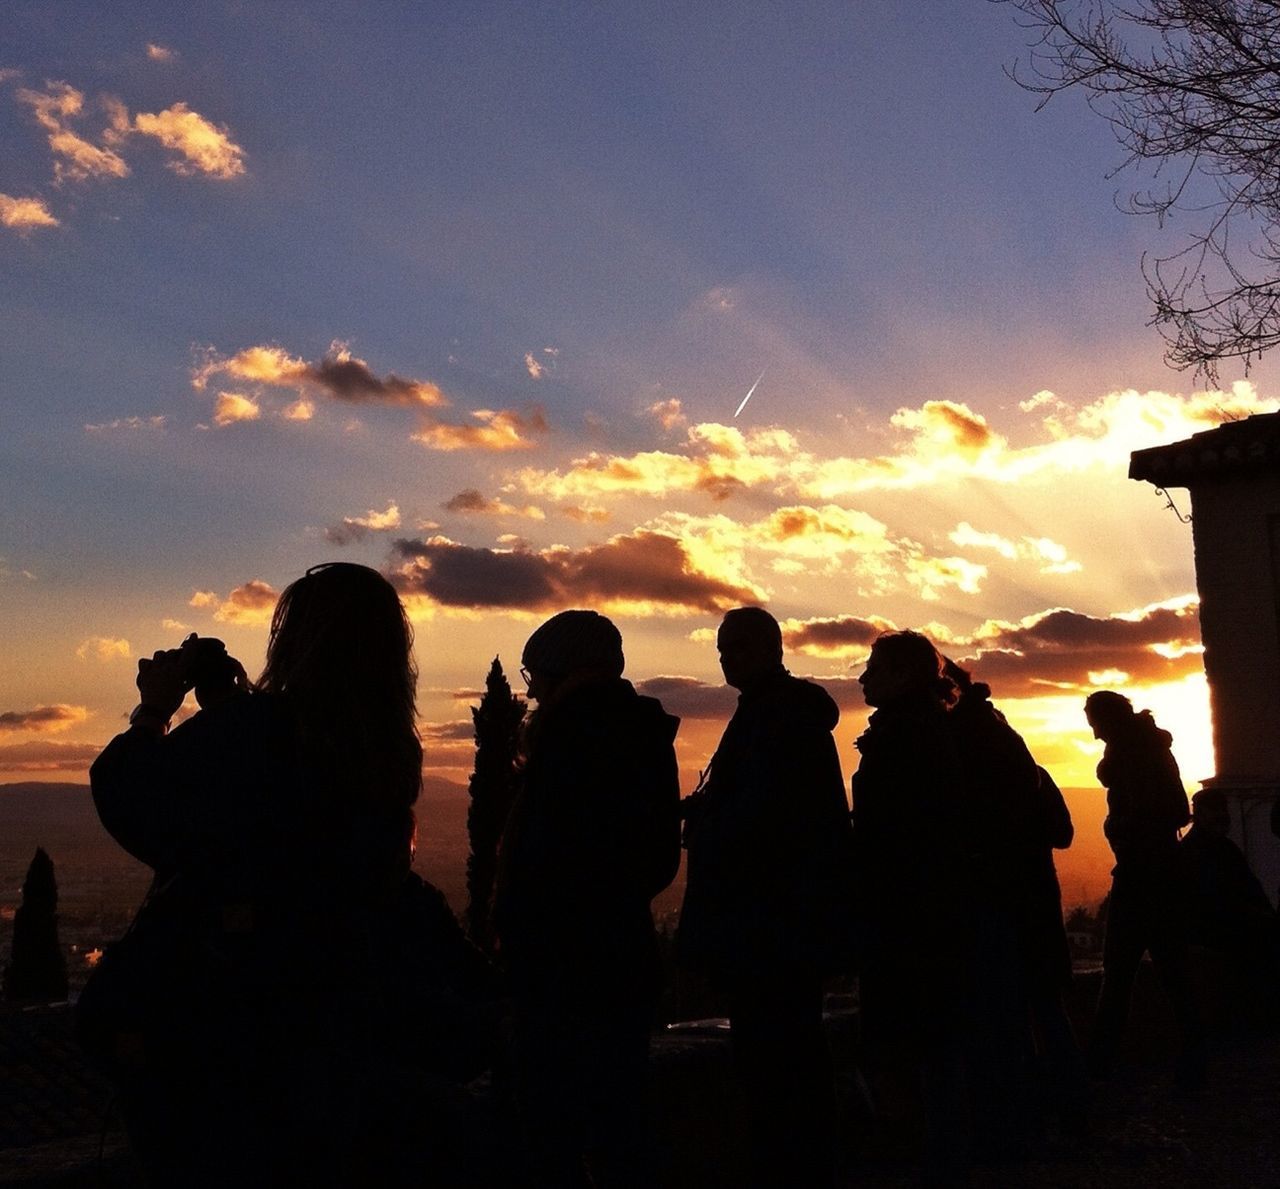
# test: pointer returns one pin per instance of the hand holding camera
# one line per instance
(202, 664)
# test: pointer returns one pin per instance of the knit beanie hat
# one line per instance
(574, 640)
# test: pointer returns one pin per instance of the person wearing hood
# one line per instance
(1146, 807)
(765, 910)
(593, 837)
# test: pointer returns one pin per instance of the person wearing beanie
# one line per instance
(593, 837)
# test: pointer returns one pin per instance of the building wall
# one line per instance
(1236, 528)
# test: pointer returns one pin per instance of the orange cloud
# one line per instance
(23, 214)
(533, 366)
(160, 53)
(498, 430)
(356, 528)
(669, 413)
(633, 573)
(76, 158)
(202, 146)
(251, 603)
(104, 648)
(233, 407)
(43, 719)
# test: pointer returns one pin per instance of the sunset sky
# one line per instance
(471, 292)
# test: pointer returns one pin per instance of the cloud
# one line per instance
(251, 603)
(104, 648)
(75, 157)
(160, 53)
(24, 214)
(299, 410)
(338, 375)
(43, 719)
(1065, 650)
(585, 513)
(356, 528)
(174, 625)
(837, 636)
(472, 500)
(121, 424)
(533, 366)
(1046, 553)
(498, 430)
(46, 755)
(233, 407)
(633, 573)
(691, 698)
(668, 413)
(718, 460)
(202, 146)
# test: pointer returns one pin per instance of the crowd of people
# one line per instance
(291, 998)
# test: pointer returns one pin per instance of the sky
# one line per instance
(471, 293)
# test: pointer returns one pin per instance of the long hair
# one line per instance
(340, 655)
(920, 663)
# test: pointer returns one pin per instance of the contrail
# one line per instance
(750, 391)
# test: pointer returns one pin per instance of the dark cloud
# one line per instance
(638, 568)
(1061, 648)
(349, 379)
(690, 698)
(470, 500)
(838, 636)
(461, 730)
(42, 718)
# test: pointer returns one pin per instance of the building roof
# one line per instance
(1233, 448)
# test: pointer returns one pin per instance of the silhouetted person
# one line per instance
(255, 1038)
(766, 904)
(1021, 961)
(910, 831)
(593, 836)
(37, 969)
(1146, 806)
(1231, 912)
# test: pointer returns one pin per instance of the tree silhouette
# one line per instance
(37, 970)
(492, 788)
(1191, 87)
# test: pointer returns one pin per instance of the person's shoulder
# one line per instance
(801, 701)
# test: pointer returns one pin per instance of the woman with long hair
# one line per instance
(241, 1013)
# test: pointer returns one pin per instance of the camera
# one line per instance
(209, 669)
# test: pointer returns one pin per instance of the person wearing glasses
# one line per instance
(592, 838)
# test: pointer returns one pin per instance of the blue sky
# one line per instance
(597, 210)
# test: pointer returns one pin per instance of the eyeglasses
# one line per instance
(528, 677)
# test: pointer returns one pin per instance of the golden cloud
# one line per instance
(356, 528)
(76, 158)
(43, 719)
(498, 430)
(23, 214)
(251, 603)
(1048, 554)
(160, 53)
(104, 648)
(533, 366)
(232, 407)
(202, 146)
(642, 572)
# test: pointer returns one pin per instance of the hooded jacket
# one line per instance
(769, 843)
(1146, 803)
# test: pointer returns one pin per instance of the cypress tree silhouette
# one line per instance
(492, 788)
(37, 970)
